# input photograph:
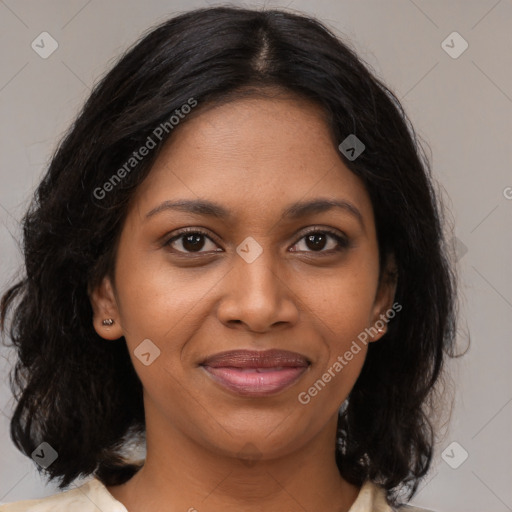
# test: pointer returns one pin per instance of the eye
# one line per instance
(318, 239)
(194, 240)
(190, 241)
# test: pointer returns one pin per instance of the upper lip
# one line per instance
(256, 359)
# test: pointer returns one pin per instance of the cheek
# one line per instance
(341, 311)
(343, 302)
(339, 322)
(155, 302)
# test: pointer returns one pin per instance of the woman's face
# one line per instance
(254, 277)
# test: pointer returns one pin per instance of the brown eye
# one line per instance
(191, 241)
(318, 240)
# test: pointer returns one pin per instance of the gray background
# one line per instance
(461, 107)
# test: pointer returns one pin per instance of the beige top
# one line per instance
(93, 496)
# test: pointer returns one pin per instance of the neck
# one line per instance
(180, 474)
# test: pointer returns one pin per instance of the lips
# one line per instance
(256, 373)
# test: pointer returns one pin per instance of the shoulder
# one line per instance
(89, 497)
(372, 498)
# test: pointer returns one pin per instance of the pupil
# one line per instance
(316, 245)
(193, 242)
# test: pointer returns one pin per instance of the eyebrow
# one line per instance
(292, 212)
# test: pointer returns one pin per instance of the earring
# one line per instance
(108, 321)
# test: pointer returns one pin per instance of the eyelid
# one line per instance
(323, 229)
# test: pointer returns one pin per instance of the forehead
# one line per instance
(250, 154)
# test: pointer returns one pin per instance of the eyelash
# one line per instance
(342, 241)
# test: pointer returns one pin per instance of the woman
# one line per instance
(237, 255)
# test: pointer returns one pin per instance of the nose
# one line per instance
(256, 296)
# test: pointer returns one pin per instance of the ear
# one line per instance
(104, 305)
(384, 299)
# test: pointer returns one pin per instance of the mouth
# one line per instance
(256, 373)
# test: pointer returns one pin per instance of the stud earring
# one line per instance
(108, 321)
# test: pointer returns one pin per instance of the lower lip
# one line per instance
(250, 382)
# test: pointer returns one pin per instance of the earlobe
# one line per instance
(106, 319)
(377, 330)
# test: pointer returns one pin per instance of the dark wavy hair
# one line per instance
(82, 395)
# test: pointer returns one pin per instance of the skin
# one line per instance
(208, 448)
